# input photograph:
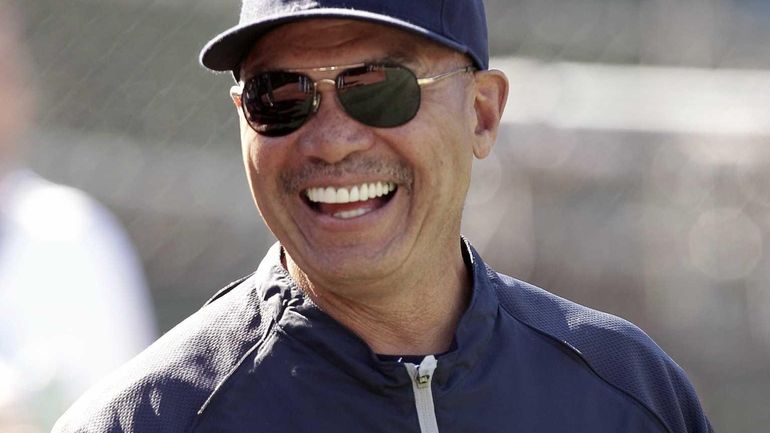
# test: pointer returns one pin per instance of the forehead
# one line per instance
(322, 42)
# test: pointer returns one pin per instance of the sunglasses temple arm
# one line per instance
(430, 80)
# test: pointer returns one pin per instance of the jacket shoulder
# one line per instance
(616, 350)
(162, 389)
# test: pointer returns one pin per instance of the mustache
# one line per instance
(391, 170)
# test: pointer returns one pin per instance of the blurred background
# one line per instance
(632, 173)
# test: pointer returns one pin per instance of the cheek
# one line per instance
(257, 151)
(451, 153)
(263, 164)
(263, 159)
(448, 144)
(440, 152)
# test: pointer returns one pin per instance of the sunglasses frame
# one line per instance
(237, 90)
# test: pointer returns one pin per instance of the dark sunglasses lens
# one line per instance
(277, 103)
(380, 96)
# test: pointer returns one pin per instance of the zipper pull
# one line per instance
(424, 371)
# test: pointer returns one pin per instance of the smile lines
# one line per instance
(363, 192)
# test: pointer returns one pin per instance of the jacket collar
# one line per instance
(297, 316)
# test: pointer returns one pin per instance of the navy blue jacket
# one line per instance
(261, 358)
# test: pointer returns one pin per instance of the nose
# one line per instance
(330, 135)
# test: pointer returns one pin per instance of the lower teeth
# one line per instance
(350, 213)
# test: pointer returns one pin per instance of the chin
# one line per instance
(351, 262)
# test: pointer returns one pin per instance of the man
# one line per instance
(360, 120)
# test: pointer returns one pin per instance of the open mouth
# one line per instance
(349, 202)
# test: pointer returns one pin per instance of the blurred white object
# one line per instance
(73, 300)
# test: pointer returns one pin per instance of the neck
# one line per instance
(418, 318)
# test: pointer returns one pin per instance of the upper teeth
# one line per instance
(361, 192)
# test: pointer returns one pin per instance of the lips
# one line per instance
(350, 201)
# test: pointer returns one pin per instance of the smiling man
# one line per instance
(360, 121)
(368, 215)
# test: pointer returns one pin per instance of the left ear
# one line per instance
(491, 93)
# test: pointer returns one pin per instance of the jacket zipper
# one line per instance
(422, 376)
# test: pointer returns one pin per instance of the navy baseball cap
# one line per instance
(457, 24)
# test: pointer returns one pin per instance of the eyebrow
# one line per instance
(398, 57)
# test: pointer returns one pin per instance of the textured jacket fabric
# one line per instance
(260, 357)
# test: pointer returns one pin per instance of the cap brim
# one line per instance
(227, 50)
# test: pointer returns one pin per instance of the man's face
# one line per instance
(428, 160)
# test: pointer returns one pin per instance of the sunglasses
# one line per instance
(277, 103)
